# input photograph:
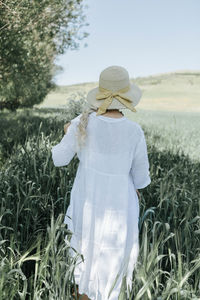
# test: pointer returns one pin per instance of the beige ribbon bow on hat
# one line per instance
(109, 95)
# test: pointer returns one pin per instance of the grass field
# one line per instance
(178, 91)
(34, 259)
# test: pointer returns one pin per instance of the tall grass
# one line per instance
(35, 261)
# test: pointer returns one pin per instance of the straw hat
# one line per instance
(114, 91)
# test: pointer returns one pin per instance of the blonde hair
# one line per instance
(82, 132)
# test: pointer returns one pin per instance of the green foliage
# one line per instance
(32, 33)
(35, 259)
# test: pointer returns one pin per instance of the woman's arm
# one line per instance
(140, 164)
(66, 126)
(63, 152)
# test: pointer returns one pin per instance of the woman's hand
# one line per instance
(138, 193)
(66, 126)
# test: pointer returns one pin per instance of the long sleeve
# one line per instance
(63, 152)
(140, 164)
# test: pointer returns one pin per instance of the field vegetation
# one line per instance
(174, 92)
(34, 258)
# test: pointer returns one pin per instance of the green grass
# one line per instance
(34, 259)
(174, 131)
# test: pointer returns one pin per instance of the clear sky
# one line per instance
(144, 36)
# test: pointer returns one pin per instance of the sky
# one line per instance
(146, 37)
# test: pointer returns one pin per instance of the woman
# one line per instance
(104, 207)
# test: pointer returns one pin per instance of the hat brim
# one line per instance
(134, 94)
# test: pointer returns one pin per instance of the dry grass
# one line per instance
(179, 91)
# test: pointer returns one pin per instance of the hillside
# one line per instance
(175, 91)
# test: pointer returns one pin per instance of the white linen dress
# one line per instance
(103, 213)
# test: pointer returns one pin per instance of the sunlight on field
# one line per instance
(166, 92)
(169, 104)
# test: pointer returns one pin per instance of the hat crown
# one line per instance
(114, 78)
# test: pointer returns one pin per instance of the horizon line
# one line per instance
(197, 71)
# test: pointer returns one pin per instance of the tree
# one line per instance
(32, 34)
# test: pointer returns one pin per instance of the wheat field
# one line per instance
(34, 258)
